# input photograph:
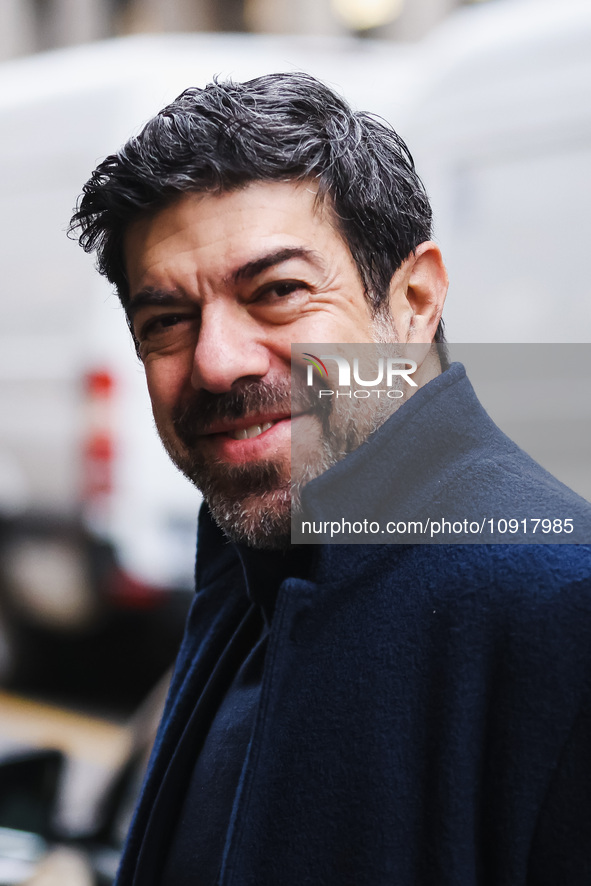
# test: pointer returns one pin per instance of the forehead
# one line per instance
(215, 231)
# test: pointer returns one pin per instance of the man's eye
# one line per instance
(282, 289)
(160, 325)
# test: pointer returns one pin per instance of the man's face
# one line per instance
(220, 287)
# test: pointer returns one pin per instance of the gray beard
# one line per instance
(251, 503)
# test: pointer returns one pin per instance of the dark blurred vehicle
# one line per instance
(74, 624)
(41, 837)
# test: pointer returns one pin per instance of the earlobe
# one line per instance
(417, 294)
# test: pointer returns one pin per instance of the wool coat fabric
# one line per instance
(424, 715)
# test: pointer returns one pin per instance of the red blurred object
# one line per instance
(98, 448)
(128, 592)
(99, 383)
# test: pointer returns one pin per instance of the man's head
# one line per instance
(274, 128)
(244, 218)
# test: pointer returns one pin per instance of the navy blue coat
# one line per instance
(425, 715)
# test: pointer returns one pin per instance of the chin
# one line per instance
(251, 503)
(261, 521)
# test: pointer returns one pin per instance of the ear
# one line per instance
(417, 293)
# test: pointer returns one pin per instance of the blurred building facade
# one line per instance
(36, 25)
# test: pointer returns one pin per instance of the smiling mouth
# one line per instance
(246, 429)
(252, 431)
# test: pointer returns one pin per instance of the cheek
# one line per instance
(342, 316)
(165, 379)
(278, 345)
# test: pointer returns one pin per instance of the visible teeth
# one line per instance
(252, 431)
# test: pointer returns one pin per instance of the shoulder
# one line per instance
(530, 569)
(515, 588)
(485, 474)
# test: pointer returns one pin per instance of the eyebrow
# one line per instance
(258, 265)
(158, 297)
(249, 270)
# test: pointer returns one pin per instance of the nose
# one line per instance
(229, 348)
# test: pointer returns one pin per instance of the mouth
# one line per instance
(246, 428)
(251, 431)
(253, 438)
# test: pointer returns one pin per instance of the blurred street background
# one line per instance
(97, 530)
(37, 25)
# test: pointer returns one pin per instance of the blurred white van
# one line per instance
(501, 134)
